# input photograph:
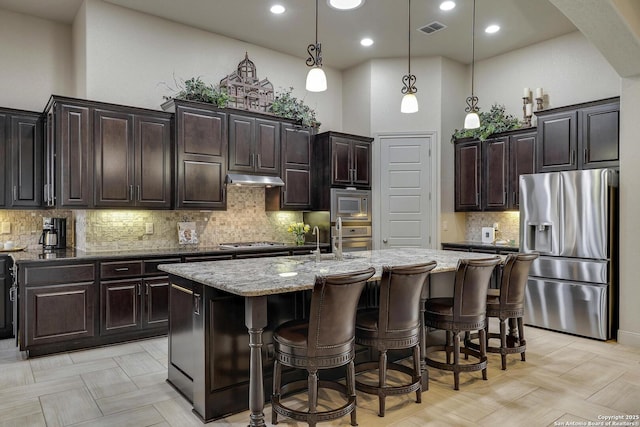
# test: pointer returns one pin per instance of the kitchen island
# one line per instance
(217, 365)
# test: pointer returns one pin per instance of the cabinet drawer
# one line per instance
(151, 265)
(59, 274)
(120, 269)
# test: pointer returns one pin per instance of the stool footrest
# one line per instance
(319, 416)
(387, 390)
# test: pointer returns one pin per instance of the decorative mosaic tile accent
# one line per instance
(26, 226)
(106, 230)
(244, 220)
(508, 225)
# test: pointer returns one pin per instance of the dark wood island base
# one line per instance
(216, 341)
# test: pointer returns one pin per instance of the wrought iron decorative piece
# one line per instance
(315, 54)
(409, 102)
(409, 82)
(246, 91)
(472, 104)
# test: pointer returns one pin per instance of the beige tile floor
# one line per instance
(566, 380)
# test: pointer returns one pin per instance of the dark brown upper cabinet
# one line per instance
(201, 154)
(254, 145)
(487, 172)
(347, 157)
(132, 160)
(106, 155)
(468, 164)
(295, 170)
(582, 136)
(505, 159)
(21, 145)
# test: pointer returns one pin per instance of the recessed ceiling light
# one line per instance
(492, 29)
(345, 4)
(366, 42)
(277, 9)
(447, 5)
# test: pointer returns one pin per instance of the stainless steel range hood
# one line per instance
(254, 180)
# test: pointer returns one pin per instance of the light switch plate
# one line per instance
(6, 228)
(148, 228)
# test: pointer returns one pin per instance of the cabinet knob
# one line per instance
(384, 240)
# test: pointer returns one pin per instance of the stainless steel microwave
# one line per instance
(350, 205)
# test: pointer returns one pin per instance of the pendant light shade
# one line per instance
(316, 78)
(409, 101)
(472, 120)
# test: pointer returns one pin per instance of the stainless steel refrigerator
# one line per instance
(570, 219)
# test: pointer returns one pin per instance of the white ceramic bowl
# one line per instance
(8, 245)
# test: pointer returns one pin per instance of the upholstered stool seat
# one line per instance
(395, 325)
(463, 312)
(324, 341)
(507, 303)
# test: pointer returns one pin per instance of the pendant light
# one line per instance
(409, 101)
(316, 79)
(472, 120)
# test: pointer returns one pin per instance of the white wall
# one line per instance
(386, 83)
(36, 61)
(629, 331)
(132, 57)
(568, 68)
(356, 100)
(456, 86)
(79, 45)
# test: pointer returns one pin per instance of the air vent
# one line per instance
(433, 27)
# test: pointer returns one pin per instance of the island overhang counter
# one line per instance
(220, 368)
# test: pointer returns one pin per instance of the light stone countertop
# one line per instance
(274, 275)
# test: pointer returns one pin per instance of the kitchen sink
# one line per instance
(330, 256)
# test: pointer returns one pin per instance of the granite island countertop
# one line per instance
(266, 276)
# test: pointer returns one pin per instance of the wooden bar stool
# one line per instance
(507, 303)
(465, 311)
(394, 326)
(324, 341)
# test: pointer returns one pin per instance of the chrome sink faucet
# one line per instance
(316, 232)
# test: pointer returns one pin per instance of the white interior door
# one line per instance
(407, 178)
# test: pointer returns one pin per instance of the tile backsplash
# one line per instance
(106, 230)
(508, 225)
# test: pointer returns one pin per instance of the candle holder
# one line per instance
(539, 104)
(527, 118)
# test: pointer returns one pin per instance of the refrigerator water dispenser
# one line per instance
(540, 238)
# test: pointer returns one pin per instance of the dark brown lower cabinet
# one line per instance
(60, 313)
(155, 310)
(134, 304)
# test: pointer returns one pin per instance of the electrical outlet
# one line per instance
(148, 228)
(445, 225)
(6, 228)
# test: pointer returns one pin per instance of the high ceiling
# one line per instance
(522, 22)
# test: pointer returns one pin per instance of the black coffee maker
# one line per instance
(54, 233)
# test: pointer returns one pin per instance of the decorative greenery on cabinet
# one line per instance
(288, 106)
(194, 89)
(494, 121)
(284, 105)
